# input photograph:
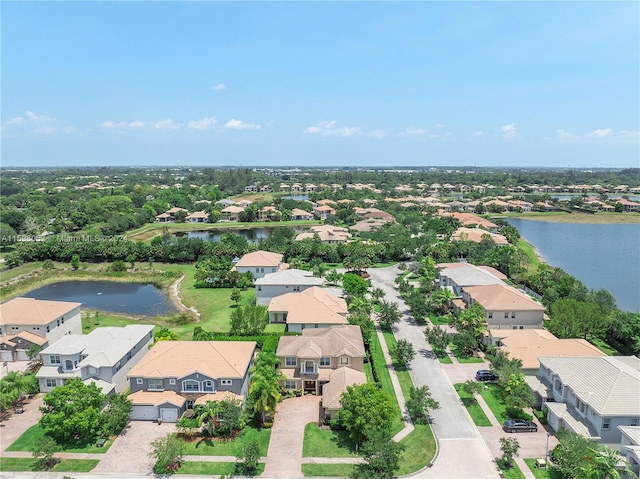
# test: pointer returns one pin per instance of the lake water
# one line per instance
(574, 195)
(252, 234)
(297, 197)
(130, 298)
(599, 255)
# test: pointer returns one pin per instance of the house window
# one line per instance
(259, 288)
(155, 385)
(296, 288)
(262, 270)
(37, 328)
(47, 329)
(633, 422)
(58, 323)
(514, 327)
(172, 382)
(129, 354)
(290, 361)
(50, 383)
(325, 361)
(344, 360)
(606, 424)
(257, 270)
(506, 315)
(207, 385)
(54, 359)
(14, 328)
(139, 381)
(190, 385)
(118, 366)
(513, 315)
(490, 315)
(226, 382)
(290, 384)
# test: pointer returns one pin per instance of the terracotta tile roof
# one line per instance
(313, 305)
(232, 209)
(198, 214)
(331, 342)
(476, 234)
(299, 212)
(176, 359)
(219, 396)
(27, 336)
(500, 297)
(149, 398)
(27, 311)
(260, 258)
(339, 380)
(530, 344)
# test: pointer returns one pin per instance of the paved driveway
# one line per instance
(13, 425)
(285, 447)
(462, 452)
(129, 454)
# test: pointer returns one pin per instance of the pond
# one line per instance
(113, 296)
(297, 197)
(252, 234)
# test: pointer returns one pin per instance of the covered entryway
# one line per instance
(169, 414)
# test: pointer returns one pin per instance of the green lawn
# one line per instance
(493, 397)
(212, 468)
(90, 321)
(26, 268)
(366, 367)
(474, 409)
(513, 472)
(206, 447)
(534, 262)
(539, 473)
(65, 465)
(462, 359)
(438, 320)
(420, 448)
(604, 347)
(403, 376)
(384, 378)
(35, 432)
(445, 359)
(326, 443)
(327, 470)
(275, 328)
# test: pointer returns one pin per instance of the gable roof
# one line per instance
(102, 346)
(345, 340)
(500, 297)
(498, 274)
(610, 385)
(215, 359)
(530, 344)
(26, 335)
(476, 234)
(289, 277)
(150, 398)
(299, 212)
(313, 305)
(339, 380)
(260, 258)
(27, 311)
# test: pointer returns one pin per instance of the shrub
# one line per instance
(118, 266)
(167, 451)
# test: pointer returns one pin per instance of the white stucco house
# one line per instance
(283, 282)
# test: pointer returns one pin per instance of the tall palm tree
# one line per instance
(11, 387)
(265, 392)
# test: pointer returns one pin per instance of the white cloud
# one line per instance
(563, 135)
(414, 131)
(203, 124)
(628, 135)
(379, 133)
(43, 124)
(18, 120)
(167, 124)
(219, 86)
(600, 133)
(241, 125)
(439, 125)
(328, 128)
(508, 131)
(478, 134)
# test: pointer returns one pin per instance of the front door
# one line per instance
(309, 385)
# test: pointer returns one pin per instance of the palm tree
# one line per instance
(265, 392)
(11, 387)
(606, 464)
(208, 414)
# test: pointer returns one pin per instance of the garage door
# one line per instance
(6, 356)
(144, 413)
(169, 414)
(22, 355)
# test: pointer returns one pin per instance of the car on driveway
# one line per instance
(519, 425)
(485, 375)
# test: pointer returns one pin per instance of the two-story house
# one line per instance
(312, 308)
(323, 361)
(476, 235)
(283, 282)
(327, 234)
(456, 276)
(322, 212)
(297, 214)
(14, 347)
(231, 213)
(260, 263)
(505, 306)
(47, 319)
(590, 396)
(103, 356)
(176, 375)
(197, 217)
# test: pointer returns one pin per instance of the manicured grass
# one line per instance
(91, 322)
(327, 470)
(438, 320)
(366, 367)
(468, 359)
(528, 249)
(213, 468)
(65, 465)
(539, 473)
(403, 376)
(207, 447)
(26, 440)
(445, 359)
(493, 397)
(384, 379)
(512, 472)
(326, 443)
(26, 268)
(604, 347)
(275, 328)
(474, 409)
(420, 448)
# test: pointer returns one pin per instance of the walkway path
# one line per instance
(174, 295)
(284, 458)
(462, 453)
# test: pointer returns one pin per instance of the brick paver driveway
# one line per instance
(12, 426)
(285, 447)
(130, 451)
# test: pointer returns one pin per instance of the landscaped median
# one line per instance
(65, 465)
(473, 407)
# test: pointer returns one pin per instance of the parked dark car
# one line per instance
(519, 425)
(485, 375)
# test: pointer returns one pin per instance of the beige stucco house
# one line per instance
(312, 308)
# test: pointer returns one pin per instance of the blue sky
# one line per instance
(320, 84)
